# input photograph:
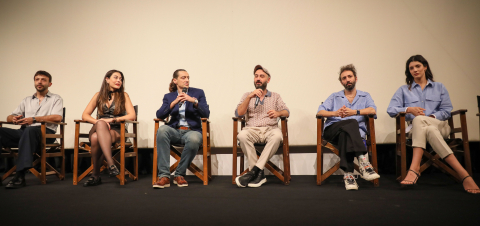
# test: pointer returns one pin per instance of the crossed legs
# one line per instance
(426, 129)
(101, 139)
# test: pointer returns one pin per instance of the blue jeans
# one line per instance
(167, 135)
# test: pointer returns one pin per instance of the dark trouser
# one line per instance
(27, 139)
(346, 135)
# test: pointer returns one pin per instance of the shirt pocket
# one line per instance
(412, 101)
(433, 102)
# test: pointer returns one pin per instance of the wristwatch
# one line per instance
(358, 112)
(34, 120)
(196, 101)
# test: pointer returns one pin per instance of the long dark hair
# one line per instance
(173, 87)
(104, 94)
(421, 59)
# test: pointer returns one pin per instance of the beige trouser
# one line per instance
(426, 129)
(251, 135)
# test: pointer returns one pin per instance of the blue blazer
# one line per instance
(192, 114)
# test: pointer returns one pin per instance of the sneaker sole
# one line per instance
(238, 183)
(258, 184)
(351, 188)
(183, 185)
(164, 186)
(369, 179)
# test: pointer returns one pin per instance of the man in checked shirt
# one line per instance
(261, 109)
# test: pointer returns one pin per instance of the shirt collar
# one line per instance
(342, 93)
(269, 94)
(49, 94)
(429, 82)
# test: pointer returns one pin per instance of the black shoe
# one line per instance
(113, 170)
(92, 181)
(18, 181)
(258, 180)
(242, 181)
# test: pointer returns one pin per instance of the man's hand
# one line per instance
(257, 92)
(25, 121)
(273, 114)
(346, 112)
(416, 111)
(340, 112)
(16, 118)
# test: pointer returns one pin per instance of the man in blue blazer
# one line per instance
(185, 106)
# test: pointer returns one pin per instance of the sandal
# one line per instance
(470, 190)
(113, 170)
(412, 182)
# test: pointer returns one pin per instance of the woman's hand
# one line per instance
(416, 111)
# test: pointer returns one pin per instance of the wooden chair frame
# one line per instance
(206, 174)
(284, 175)
(433, 159)
(46, 151)
(82, 149)
(324, 146)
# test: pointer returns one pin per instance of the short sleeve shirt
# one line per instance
(52, 104)
(257, 116)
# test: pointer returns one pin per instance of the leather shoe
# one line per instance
(113, 170)
(180, 181)
(18, 181)
(163, 182)
(92, 181)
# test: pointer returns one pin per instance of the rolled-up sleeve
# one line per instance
(328, 104)
(369, 103)
(396, 103)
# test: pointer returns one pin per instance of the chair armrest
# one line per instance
(458, 112)
(478, 114)
(319, 116)
(238, 119)
(205, 120)
(58, 123)
(127, 121)
(283, 118)
(81, 121)
(400, 114)
(370, 116)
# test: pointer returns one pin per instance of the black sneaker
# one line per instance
(242, 181)
(258, 181)
(18, 181)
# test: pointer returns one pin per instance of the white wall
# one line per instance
(302, 43)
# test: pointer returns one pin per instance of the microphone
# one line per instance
(184, 90)
(256, 101)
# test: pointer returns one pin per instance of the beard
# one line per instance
(262, 86)
(43, 88)
(349, 86)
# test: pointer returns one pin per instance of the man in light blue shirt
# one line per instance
(345, 126)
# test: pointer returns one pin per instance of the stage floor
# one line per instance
(435, 200)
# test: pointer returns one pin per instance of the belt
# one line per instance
(184, 128)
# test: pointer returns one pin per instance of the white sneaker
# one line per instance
(367, 172)
(350, 183)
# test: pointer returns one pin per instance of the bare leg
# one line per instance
(415, 166)
(469, 183)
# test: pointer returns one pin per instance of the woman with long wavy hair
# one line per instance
(112, 104)
(428, 106)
